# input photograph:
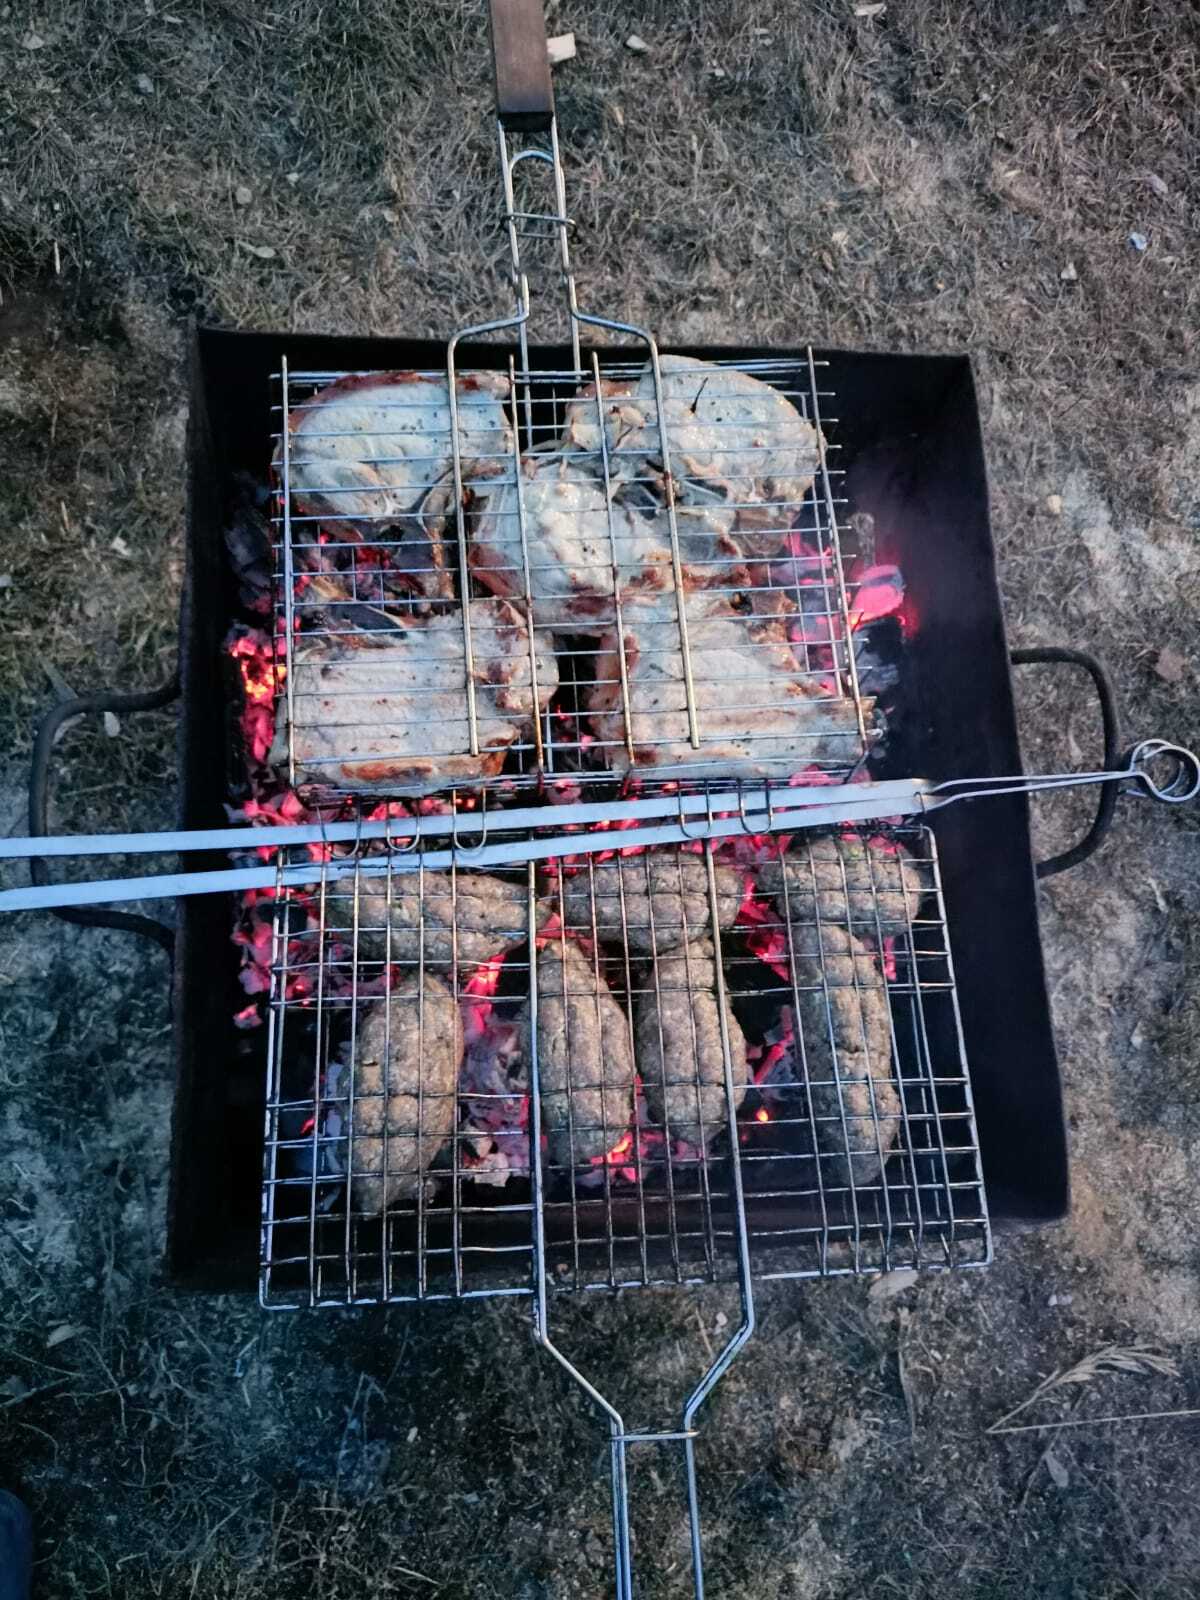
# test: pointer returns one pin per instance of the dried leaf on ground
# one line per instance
(1170, 665)
(64, 1331)
(890, 1284)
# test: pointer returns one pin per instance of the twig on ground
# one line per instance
(1088, 1422)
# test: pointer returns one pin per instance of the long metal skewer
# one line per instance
(748, 802)
(698, 817)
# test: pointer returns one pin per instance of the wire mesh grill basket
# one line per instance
(652, 586)
(814, 974)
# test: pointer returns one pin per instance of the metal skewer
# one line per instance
(698, 817)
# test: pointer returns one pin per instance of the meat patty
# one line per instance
(576, 538)
(389, 712)
(738, 446)
(758, 711)
(869, 884)
(491, 915)
(585, 1062)
(405, 1074)
(367, 448)
(680, 1052)
(845, 1028)
(652, 902)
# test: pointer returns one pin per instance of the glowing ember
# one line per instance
(476, 998)
(262, 674)
(878, 592)
(617, 1156)
(764, 934)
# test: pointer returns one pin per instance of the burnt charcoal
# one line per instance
(248, 543)
(878, 654)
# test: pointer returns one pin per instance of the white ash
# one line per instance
(493, 1089)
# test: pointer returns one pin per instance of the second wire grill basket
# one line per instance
(820, 970)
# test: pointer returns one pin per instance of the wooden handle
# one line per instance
(524, 98)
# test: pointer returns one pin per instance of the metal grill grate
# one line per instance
(809, 976)
(505, 576)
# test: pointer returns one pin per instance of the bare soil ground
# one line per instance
(921, 178)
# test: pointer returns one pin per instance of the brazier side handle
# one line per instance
(1053, 655)
(39, 787)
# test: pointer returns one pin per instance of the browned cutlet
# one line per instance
(681, 1047)
(844, 1049)
(652, 902)
(870, 884)
(405, 1077)
(443, 919)
(585, 1062)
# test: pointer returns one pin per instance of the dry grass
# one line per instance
(917, 181)
(1137, 1359)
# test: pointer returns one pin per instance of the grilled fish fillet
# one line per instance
(652, 902)
(680, 1051)
(738, 446)
(390, 711)
(757, 711)
(405, 1075)
(585, 1063)
(367, 448)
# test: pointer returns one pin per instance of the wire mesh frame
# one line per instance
(854, 1155)
(392, 686)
